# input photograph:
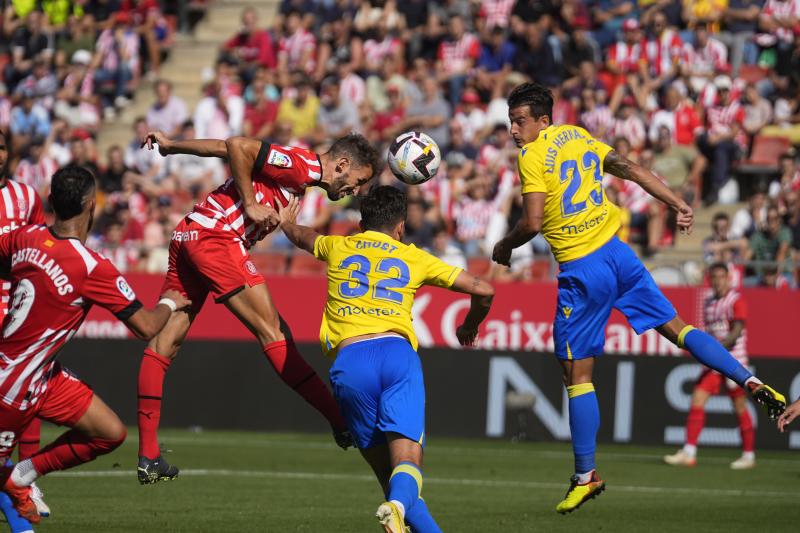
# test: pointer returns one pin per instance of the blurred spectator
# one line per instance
(36, 167)
(28, 42)
(470, 116)
(28, 120)
(629, 123)
(301, 109)
(444, 249)
(76, 101)
(748, 219)
(57, 142)
(596, 117)
(609, 16)
(116, 62)
(219, 114)
(703, 12)
(789, 180)
(724, 139)
(419, 231)
(704, 58)
(472, 213)
(740, 22)
(113, 246)
(757, 111)
(260, 113)
(297, 47)
(251, 47)
(537, 58)
(198, 175)
(496, 58)
(770, 247)
(457, 55)
(389, 123)
(678, 115)
(430, 114)
(150, 164)
(681, 166)
(663, 50)
(111, 178)
(720, 247)
(337, 116)
(777, 23)
(41, 83)
(168, 112)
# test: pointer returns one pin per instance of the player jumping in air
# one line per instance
(725, 316)
(366, 327)
(55, 280)
(19, 206)
(561, 168)
(209, 254)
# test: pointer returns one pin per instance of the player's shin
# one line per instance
(150, 388)
(300, 377)
(584, 421)
(694, 426)
(747, 432)
(420, 519)
(405, 486)
(29, 439)
(711, 353)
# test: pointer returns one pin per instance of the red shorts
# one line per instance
(203, 260)
(711, 382)
(65, 401)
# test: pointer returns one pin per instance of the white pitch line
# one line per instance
(201, 440)
(315, 476)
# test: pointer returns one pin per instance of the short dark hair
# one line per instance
(536, 96)
(718, 265)
(69, 189)
(720, 216)
(383, 208)
(359, 150)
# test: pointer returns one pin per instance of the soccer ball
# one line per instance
(414, 157)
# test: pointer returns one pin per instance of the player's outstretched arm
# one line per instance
(146, 323)
(242, 155)
(198, 147)
(301, 236)
(788, 415)
(526, 228)
(626, 169)
(482, 294)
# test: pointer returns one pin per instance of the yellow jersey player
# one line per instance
(561, 168)
(366, 327)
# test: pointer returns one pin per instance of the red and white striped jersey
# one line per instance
(631, 128)
(377, 52)
(721, 119)
(708, 60)
(293, 47)
(37, 174)
(19, 206)
(496, 12)
(664, 52)
(719, 313)
(455, 55)
(472, 217)
(598, 122)
(284, 171)
(54, 283)
(783, 11)
(627, 57)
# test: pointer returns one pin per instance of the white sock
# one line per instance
(690, 450)
(585, 477)
(24, 473)
(400, 507)
(754, 380)
(750, 456)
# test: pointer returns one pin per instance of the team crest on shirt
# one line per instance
(125, 289)
(279, 159)
(251, 267)
(22, 205)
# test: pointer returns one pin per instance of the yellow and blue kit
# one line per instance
(598, 271)
(372, 280)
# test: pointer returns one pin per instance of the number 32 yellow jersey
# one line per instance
(372, 280)
(566, 163)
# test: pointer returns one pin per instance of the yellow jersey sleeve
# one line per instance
(531, 170)
(437, 272)
(601, 149)
(323, 246)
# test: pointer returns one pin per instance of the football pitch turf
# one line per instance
(242, 482)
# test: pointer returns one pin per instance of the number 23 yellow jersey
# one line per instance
(372, 280)
(566, 163)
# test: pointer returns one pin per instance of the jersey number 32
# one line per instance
(396, 276)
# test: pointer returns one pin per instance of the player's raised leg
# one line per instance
(253, 306)
(711, 353)
(157, 358)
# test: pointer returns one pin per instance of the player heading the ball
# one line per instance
(55, 280)
(377, 376)
(208, 254)
(561, 168)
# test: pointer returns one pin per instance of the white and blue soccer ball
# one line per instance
(414, 157)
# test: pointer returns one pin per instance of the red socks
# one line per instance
(72, 449)
(747, 432)
(295, 372)
(694, 424)
(151, 384)
(29, 440)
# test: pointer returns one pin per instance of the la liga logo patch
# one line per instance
(125, 289)
(279, 159)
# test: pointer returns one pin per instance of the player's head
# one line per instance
(350, 163)
(72, 195)
(530, 110)
(720, 281)
(5, 151)
(384, 209)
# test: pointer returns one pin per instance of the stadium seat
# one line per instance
(479, 266)
(766, 151)
(270, 263)
(304, 264)
(343, 227)
(752, 73)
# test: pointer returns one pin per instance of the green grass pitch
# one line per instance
(243, 482)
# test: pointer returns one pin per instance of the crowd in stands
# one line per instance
(706, 93)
